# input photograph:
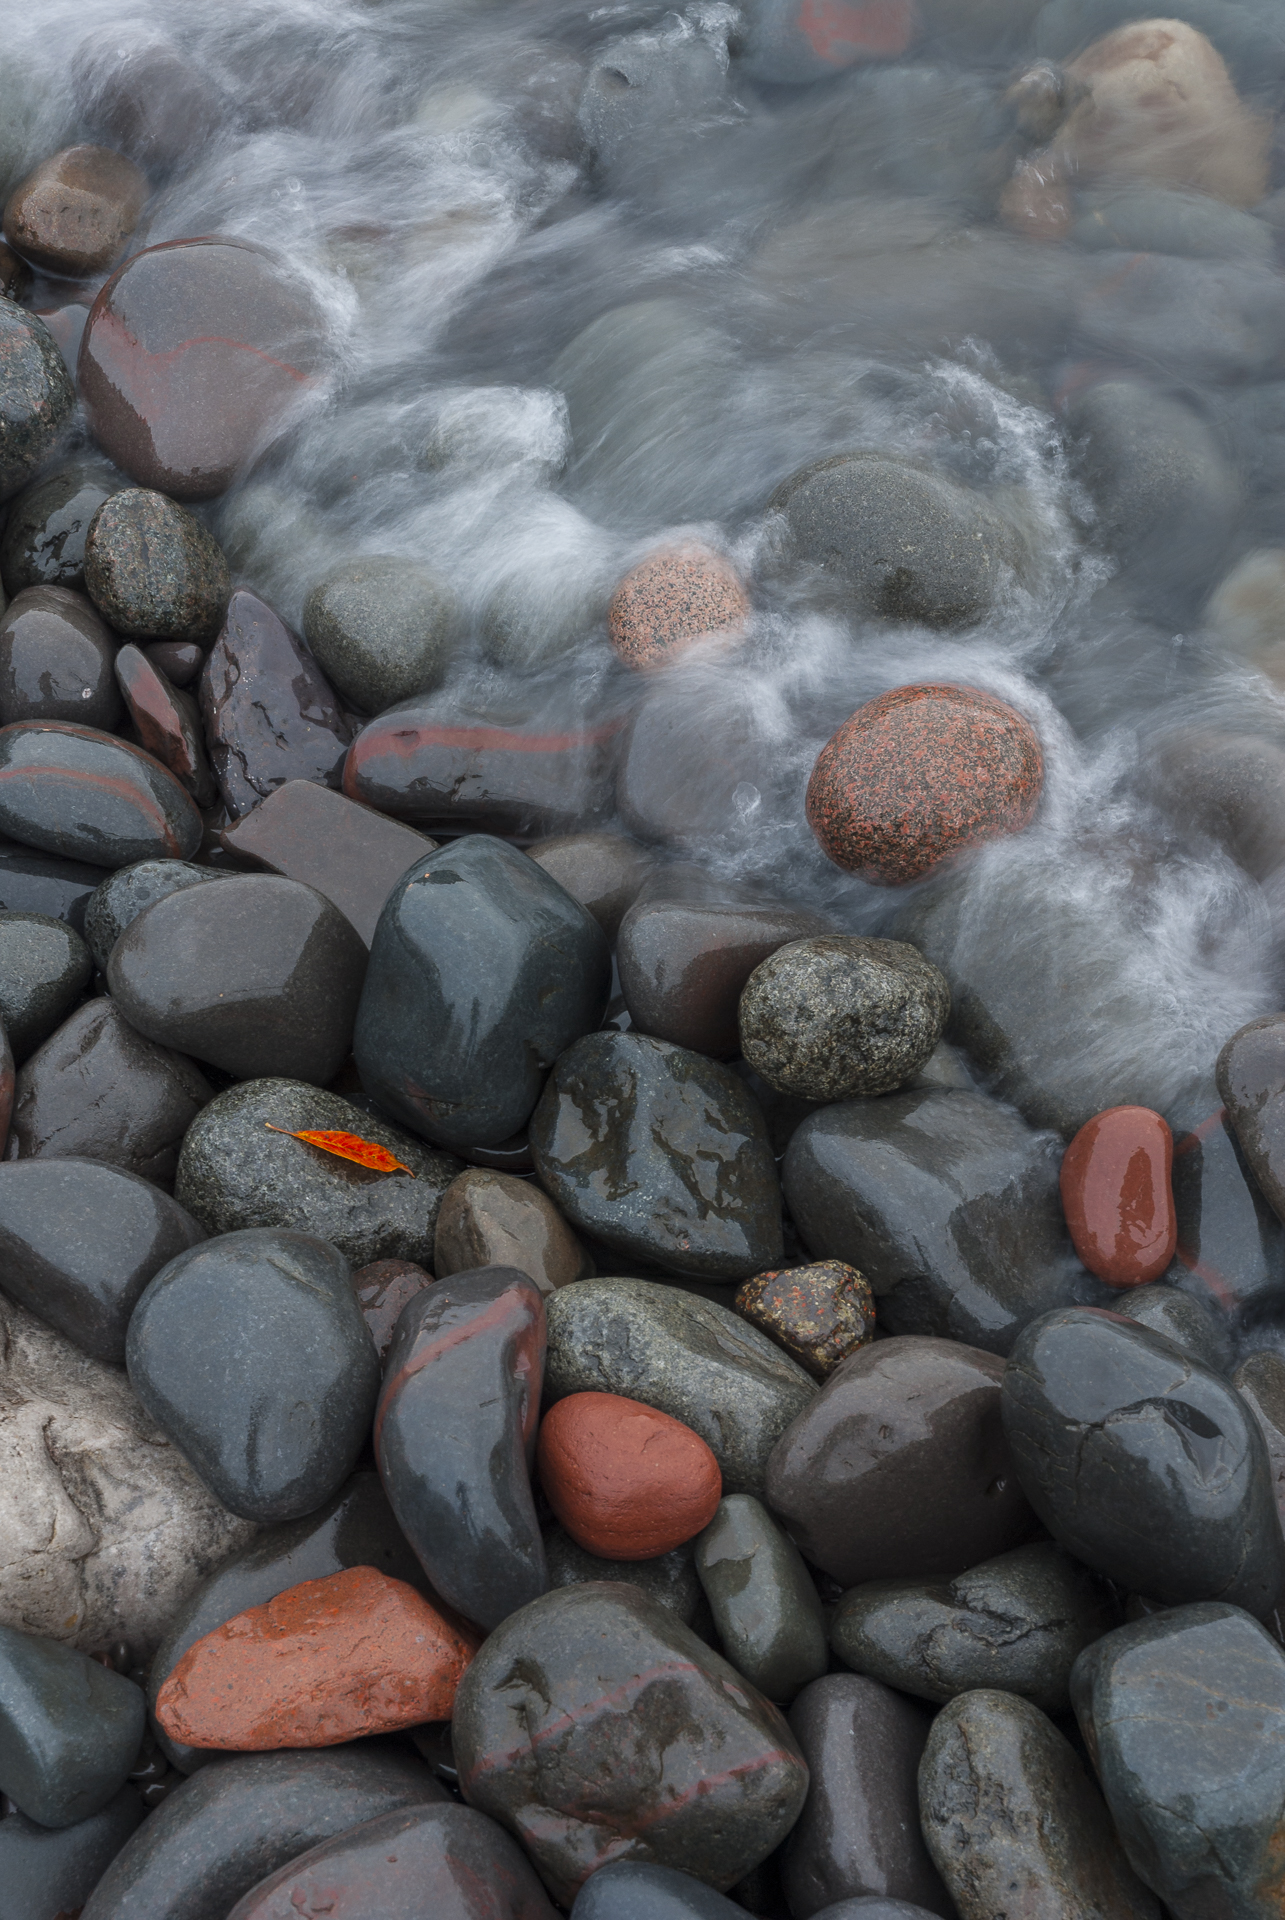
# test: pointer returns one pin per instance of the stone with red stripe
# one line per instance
(74, 791)
(597, 1727)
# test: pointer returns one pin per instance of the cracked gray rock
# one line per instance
(1013, 1822)
(104, 1528)
(1016, 1622)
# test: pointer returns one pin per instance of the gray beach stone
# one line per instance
(153, 571)
(380, 628)
(38, 395)
(124, 894)
(44, 969)
(69, 1729)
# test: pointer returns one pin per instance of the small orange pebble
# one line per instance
(324, 1662)
(348, 1146)
(1117, 1195)
(673, 599)
(625, 1481)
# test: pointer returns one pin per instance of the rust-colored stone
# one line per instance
(919, 775)
(324, 1662)
(819, 1314)
(382, 1290)
(625, 1481)
(673, 599)
(73, 215)
(1117, 1194)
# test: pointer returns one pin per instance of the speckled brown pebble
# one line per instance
(153, 571)
(819, 1314)
(37, 393)
(920, 774)
(73, 214)
(672, 599)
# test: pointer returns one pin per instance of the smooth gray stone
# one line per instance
(234, 1173)
(644, 94)
(1260, 1382)
(125, 894)
(1180, 1317)
(1005, 1803)
(950, 1206)
(57, 660)
(44, 532)
(1184, 1715)
(1251, 1080)
(687, 1357)
(1143, 1462)
(671, 1578)
(1016, 1622)
(251, 1353)
(46, 1871)
(661, 1154)
(99, 1091)
(70, 1729)
(38, 392)
(380, 628)
(44, 969)
(859, 1829)
(80, 1240)
(765, 1606)
(241, 1818)
(634, 1890)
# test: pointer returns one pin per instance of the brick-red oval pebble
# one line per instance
(921, 774)
(625, 1481)
(1117, 1194)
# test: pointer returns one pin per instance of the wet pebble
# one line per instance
(610, 1669)
(1199, 1329)
(43, 544)
(137, 89)
(765, 1606)
(1118, 1197)
(73, 214)
(491, 1219)
(48, 1871)
(670, 1579)
(254, 975)
(603, 871)
(1251, 1079)
(97, 1089)
(38, 395)
(842, 1015)
(32, 882)
(686, 1356)
(787, 41)
(179, 660)
(381, 628)
(633, 1890)
(69, 1729)
(1260, 1382)
(625, 1481)
(56, 660)
(81, 1240)
(152, 569)
(818, 1314)
(673, 600)
(1016, 1622)
(123, 895)
(1004, 1799)
(44, 969)
(166, 722)
(74, 791)
(661, 1154)
(383, 1289)
(250, 1352)
(455, 1442)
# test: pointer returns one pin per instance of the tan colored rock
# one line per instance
(492, 1219)
(1246, 612)
(1161, 108)
(104, 1528)
(74, 213)
(1038, 201)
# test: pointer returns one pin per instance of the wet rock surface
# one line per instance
(44, 969)
(626, 1482)
(490, 1219)
(56, 660)
(818, 1314)
(152, 569)
(381, 629)
(43, 544)
(166, 722)
(122, 896)
(38, 395)
(71, 790)
(69, 1729)
(765, 1606)
(72, 215)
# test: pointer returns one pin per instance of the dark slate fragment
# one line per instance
(43, 544)
(660, 1154)
(632, 1890)
(353, 1528)
(1016, 1622)
(44, 969)
(251, 1354)
(899, 1466)
(1184, 1716)
(688, 1357)
(49, 1871)
(269, 714)
(234, 1173)
(166, 721)
(33, 882)
(1005, 1802)
(70, 790)
(79, 1241)
(482, 971)
(56, 661)
(455, 1438)
(1142, 1462)
(1251, 1079)
(660, 1751)
(98, 1090)
(38, 395)
(122, 896)
(69, 1729)
(257, 975)
(220, 1834)
(859, 1830)
(352, 854)
(947, 1203)
(431, 1863)
(152, 569)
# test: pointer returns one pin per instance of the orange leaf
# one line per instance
(349, 1146)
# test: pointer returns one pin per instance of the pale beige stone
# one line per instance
(490, 1219)
(1161, 107)
(104, 1527)
(1246, 612)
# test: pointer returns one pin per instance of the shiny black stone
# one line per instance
(44, 535)
(44, 969)
(56, 661)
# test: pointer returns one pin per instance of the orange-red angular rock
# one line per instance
(324, 1662)
(625, 1481)
(1117, 1195)
(921, 774)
